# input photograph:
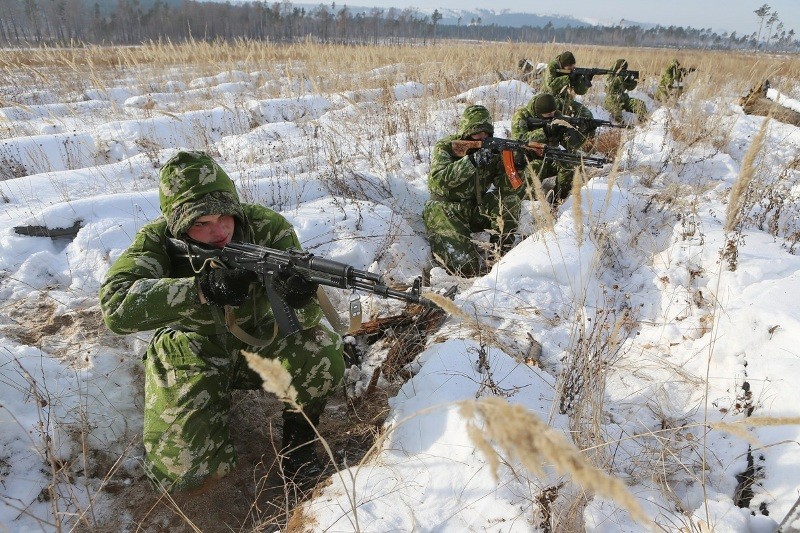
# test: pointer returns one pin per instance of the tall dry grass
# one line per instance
(450, 68)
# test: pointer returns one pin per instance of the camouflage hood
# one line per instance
(193, 185)
(475, 119)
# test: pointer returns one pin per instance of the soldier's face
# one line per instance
(569, 68)
(481, 135)
(216, 230)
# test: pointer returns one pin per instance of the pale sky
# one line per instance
(728, 15)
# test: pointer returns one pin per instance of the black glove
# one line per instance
(576, 78)
(481, 157)
(223, 286)
(294, 288)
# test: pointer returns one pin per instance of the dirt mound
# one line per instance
(757, 103)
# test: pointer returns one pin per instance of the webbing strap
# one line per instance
(327, 309)
(242, 335)
(333, 317)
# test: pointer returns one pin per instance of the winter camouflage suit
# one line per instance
(193, 362)
(522, 129)
(467, 199)
(617, 98)
(564, 87)
(671, 84)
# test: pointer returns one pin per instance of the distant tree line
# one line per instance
(39, 22)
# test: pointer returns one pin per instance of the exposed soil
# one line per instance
(254, 496)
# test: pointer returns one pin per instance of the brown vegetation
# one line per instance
(253, 496)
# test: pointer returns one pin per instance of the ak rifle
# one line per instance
(539, 150)
(269, 263)
(579, 122)
(591, 72)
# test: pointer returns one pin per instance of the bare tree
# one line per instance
(771, 22)
(761, 13)
(435, 18)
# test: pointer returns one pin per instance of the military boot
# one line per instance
(300, 463)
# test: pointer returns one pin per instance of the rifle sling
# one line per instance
(327, 309)
(331, 314)
(242, 335)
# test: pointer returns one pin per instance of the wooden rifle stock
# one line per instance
(506, 147)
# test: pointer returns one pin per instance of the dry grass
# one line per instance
(450, 68)
(739, 428)
(524, 437)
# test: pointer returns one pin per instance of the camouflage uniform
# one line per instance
(467, 199)
(671, 84)
(554, 135)
(193, 363)
(617, 98)
(564, 87)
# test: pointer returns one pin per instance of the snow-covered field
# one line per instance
(660, 311)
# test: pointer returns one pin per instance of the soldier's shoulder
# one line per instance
(155, 228)
(445, 141)
(260, 214)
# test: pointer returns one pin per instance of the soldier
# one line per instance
(618, 83)
(670, 87)
(194, 361)
(559, 81)
(528, 72)
(538, 121)
(469, 194)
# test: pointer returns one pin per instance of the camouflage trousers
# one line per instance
(450, 225)
(617, 103)
(188, 383)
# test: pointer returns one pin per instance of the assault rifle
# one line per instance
(540, 150)
(269, 262)
(580, 122)
(589, 72)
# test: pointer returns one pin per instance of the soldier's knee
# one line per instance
(175, 466)
(316, 364)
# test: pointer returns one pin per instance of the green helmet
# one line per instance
(193, 185)
(566, 58)
(543, 103)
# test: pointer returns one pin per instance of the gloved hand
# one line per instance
(481, 157)
(294, 288)
(576, 78)
(223, 286)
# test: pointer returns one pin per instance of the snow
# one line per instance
(678, 335)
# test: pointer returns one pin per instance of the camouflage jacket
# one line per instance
(456, 179)
(672, 76)
(620, 84)
(558, 83)
(146, 288)
(523, 130)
